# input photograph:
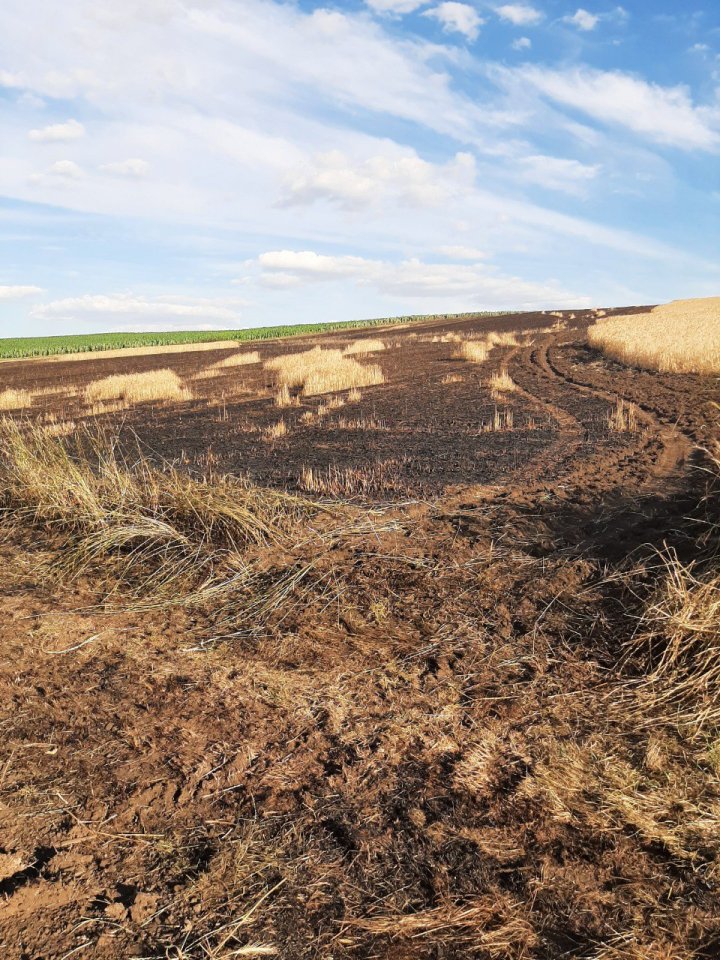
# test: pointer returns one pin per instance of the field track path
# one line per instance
(597, 492)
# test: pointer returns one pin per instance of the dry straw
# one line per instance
(364, 346)
(501, 383)
(320, 371)
(138, 388)
(15, 399)
(472, 351)
(237, 360)
(156, 530)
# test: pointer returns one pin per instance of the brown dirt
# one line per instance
(368, 773)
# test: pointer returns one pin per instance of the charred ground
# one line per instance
(442, 742)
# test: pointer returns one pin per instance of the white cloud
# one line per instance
(403, 179)
(132, 168)
(455, 252)
(521, 14)
(457, 18)
(557, 173)
(480, 285)
(395, 6)
(663, 114)
(62, 171)
(128, 308)
(583, 20)
(9, 292)
(522, 43)
(58, 132)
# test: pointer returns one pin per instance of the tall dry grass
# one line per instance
(677, 640)
(157, 530)
(501, 383)
(623, 417)
(15, 399)
(678, 337)
(475, 352)
(320, 371)
(237, 360)
(361, 347)
(138, 388)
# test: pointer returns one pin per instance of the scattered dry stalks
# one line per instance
(623, 417)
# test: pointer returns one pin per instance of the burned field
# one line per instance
(428, 672)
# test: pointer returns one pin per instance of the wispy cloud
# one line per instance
(457, 18)
(521, 14)
(58, 132)
(664, 114)
(583, 20)
(405, 179)
(411, 279)
(128, 307)
(16, 292)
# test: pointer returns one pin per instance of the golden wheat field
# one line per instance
(678, 337)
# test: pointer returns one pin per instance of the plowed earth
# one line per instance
(378, 770)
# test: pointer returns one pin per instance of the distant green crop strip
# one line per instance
(17, 348)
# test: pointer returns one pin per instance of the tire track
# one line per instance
(676, 444)
(584, 493)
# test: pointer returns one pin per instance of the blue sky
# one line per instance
(170, 164)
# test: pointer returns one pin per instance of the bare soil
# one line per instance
(368, 774)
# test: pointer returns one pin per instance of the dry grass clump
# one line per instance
(283, 398)
(495, 339)
(354, 395)
(364, 347)
(679, 640)
(15, 399)
(473, 351)
(501, 383)
(490, 926)
(676, 645)
(133, 388)
(452, 378)
(332, 403)
(237, 360)
(623, 417)
(678, 337)
(155, 530)
(275, 431)
(319, 371)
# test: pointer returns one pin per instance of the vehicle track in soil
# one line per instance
(601, 498)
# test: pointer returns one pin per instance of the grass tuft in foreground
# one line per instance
(156, 530)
